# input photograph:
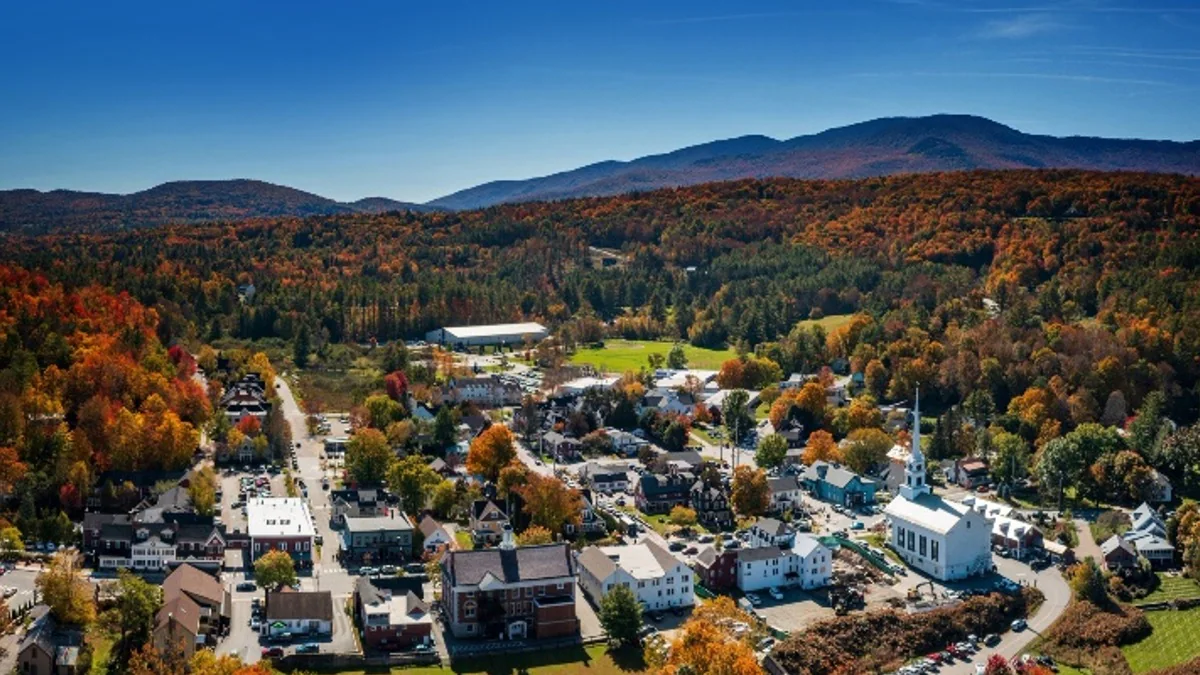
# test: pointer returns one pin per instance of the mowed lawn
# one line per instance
(1172, 588)
(829, 323)
(591, 660)
(1176, 639)
(618, 356)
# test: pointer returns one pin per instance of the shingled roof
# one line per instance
(527, 563)
(311, 605)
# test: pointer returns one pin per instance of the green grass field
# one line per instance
(1176, 639)
(1173, 588)
(618, 356)
(591, 660)
(829, 323)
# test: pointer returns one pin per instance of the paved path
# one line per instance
(1088, 547)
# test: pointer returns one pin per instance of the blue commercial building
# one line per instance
(838, 485)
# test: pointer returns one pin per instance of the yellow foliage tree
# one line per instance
(821, 447)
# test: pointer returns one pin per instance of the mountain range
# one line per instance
(174, 202)
(878, 147)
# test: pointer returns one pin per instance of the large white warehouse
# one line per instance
(495, 334)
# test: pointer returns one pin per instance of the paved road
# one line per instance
(1051, 583)
(743, 456)
(327, 573)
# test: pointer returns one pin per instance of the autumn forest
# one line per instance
(1047, 299)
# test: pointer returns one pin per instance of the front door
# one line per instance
(516, 630)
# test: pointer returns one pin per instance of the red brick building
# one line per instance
(509, 592)
(717, 569)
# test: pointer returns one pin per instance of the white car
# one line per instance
(775, 593)
(754, 599)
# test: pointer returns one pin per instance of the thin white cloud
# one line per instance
(1089, 79)
(1020, 27)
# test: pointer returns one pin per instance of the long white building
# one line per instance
(494, 334)
(658, 579)
(804, 563)
(945, 539)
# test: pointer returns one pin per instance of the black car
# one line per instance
(677, 546)
(247, 586)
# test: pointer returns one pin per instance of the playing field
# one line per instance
(619, 356)
(1176, 639)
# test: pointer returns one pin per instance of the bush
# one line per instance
(1090, 636)
(882, 640)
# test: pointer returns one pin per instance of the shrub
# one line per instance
(882, 640)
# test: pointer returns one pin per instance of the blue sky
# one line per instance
(415, 100)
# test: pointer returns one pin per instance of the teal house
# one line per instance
(838, 485)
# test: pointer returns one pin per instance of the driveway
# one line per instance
(1088, 547)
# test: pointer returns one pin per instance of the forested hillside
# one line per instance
(1093, 277)
(86, 386)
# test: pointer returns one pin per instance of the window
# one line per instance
(469, 610)
(471, 628)
(529, 591)
(561, 586)
(922, 546)
(670, 580)
(912, 541)
(933, 550)
(641, 584)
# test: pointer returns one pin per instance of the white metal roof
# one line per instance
(928, 511)
(464, 332)
(279, 517)
(642, 561)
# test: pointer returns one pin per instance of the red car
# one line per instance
(272, 652)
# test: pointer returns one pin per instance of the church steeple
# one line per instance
(914, 469)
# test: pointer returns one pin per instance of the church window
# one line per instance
(922, 545)
(933, 550)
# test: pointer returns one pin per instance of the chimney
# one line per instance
(507, 542)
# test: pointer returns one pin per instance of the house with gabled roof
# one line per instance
(435, 535)
(838, 485)
(391, 619)
(487, 521)
(657, 578)
(301, 613)
(49, 648)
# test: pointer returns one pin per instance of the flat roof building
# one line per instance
(283, 523)
(493, 334)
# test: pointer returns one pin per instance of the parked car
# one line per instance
(754, 599)
(677, 546)
(255, 623)
(368, 571)
(857, 525)
(388, 570)
(272, 652)
(247, 586)
(308, 648)
(775, 593)
(991, 640)
(1019, 625)
(280, 637)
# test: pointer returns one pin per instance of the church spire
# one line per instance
(914, 469)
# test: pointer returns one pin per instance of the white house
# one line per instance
(785, 493)
(806, 564)
(301, 613)
(771, 532)
(657, 578)
(435, 534)
(606, 478)
(946, 540)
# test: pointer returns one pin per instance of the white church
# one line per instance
(945, 539)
